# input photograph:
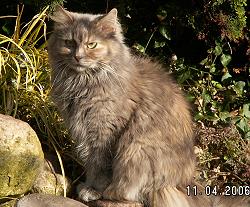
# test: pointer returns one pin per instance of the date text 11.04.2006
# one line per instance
(214, 190)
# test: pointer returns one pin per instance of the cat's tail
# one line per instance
(177, 197)
(231, 201)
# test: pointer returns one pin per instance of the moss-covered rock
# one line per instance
(21, 156)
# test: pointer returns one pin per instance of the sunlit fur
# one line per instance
(129, 120)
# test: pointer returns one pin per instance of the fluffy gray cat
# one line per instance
(129, 120)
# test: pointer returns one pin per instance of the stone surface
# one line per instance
(43, 200)
(21, 156)
(106, 203)
(50, 182)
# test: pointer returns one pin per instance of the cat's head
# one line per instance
(85, 41)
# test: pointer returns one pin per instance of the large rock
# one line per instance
(43, 200)
(21, 156)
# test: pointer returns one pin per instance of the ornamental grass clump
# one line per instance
(25, 81)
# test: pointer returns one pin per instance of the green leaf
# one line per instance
(239, 87)
(203, 62)
(139, 47)
(225, 59)
(198, 116)
(210, 50)
(183, 77)
(224, 115)
(225, 157)
(165, 32)
(226, 77)
(236, 119)
(216, 84)
(212, 68)
(6, 29)
(246, 110)
(247, 135)
(205, 97)
(191, 97)
(214, 118)
(162, 14)
(159, 44)
(243, 125)
(217, 50)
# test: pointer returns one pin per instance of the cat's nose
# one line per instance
(78, 57)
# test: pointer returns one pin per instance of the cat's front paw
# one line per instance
(120, 194)
(87, 194)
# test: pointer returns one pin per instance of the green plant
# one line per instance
(219, 97)
(24, 81)
(232, 21)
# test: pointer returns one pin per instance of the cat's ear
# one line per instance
(109, 22)
(62, 16)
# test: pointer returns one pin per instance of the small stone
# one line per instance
(21, 156)
(106, 203)
(50, 182)
(45, 200)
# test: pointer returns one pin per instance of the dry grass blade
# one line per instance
(32, 26)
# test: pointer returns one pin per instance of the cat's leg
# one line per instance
(131, 173)
(97, 179)
(143, 165)
(136, 180)
(133, 165)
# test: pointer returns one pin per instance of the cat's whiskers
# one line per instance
(60, 74)
(109, 69)
(104, 72)
(66, 84)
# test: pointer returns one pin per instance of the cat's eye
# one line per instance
(69, 43)
(92, 45)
